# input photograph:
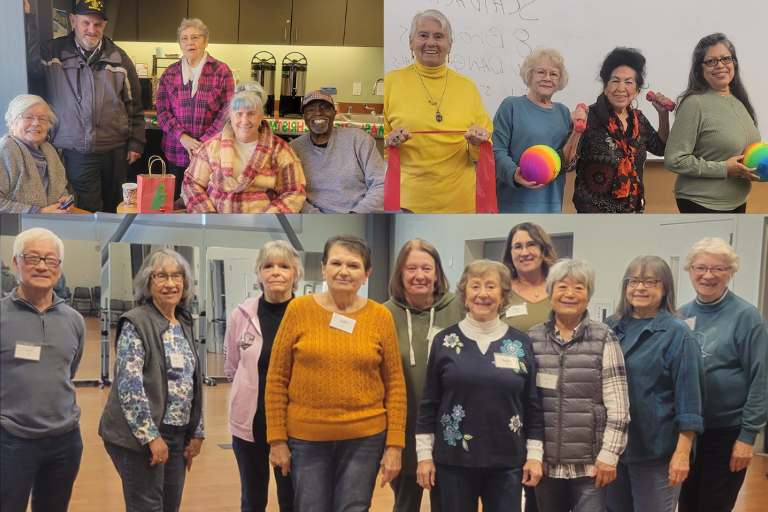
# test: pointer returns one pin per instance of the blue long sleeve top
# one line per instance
(519, 124)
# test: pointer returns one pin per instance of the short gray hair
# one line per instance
(194, 23)
(142, 283)
(641, 266)
(248, 95)
(537, 55)
(279, 250)
(578, 270)
(479, 268)
(717, 247)
(431, 14)
(28, 236)
(20, 104)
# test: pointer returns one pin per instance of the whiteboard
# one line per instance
(493, 37)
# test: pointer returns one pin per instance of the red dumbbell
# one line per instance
(580, 125)
(670, 106)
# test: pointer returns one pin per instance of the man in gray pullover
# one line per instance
(343, 168)
(41, 345)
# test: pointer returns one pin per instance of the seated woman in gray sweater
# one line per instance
(343, 168)
(32, 177)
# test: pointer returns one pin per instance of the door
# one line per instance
(237, 282)
(159, 24)
(313, 25)
(265, 22)
(218, 17)
(365, 23)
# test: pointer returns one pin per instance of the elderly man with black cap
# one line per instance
(343, 168)
(93, 87)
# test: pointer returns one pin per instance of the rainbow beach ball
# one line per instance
(540, 164)
(756, 155)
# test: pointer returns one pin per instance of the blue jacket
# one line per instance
(666, 386)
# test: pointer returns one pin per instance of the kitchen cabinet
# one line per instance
(221, 17)
(319, 23)
(127, 22)
(159, 21)
(265, 22)
(365, 23)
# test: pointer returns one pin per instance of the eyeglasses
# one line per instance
(715, 271)
(322, 107)
(194, 39)
(28, 118)
(648, 283)
(710, 63)
(34, 259)
(542, 73)
(163, 278)
(529, 245)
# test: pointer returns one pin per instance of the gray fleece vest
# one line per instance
(574, 414)
(150, 325)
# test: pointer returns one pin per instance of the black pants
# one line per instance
(530, 499)
(97, 179)
(711, 486)
(686, 206)
(178, 173)
(253, 463)
(408, 494)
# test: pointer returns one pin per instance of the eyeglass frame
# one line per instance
(528, 245)
(644, 281)
(715, 271)
(194, 38)
(43, 119)
(168, 277)
(541, 73)
(39, 259)
(717, 61)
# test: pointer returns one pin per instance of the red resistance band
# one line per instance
(485, 187)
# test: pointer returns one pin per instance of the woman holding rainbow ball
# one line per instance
(714, 124)
(525, 121)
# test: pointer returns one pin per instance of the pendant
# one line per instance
(439, 116)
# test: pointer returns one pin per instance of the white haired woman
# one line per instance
(530, 120)
(479, 429)
(583, 387)
(152, 425)
(192, 98)
(246, 168)
(663, 361)
(251, 332)
(32, 177)
(733, 339)
(438, 174)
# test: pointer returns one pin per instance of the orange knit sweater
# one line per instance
(325, 384)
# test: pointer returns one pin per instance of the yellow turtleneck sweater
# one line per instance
(437, 172)
(325, 384)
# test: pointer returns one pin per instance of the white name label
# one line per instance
(546, 380)
(27, 352)
(343, 323)
(177, 361)
(505, 361)
(691, 322)
(517, 310)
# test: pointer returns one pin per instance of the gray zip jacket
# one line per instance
(97, 102)
(37, 398)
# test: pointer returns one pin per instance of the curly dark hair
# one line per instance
(624, 57)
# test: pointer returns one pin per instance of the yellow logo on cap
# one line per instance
(95, 4)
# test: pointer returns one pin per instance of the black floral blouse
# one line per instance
(597, 161)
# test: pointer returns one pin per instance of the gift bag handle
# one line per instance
(154, 159)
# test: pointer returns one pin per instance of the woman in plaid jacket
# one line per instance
(192, 99)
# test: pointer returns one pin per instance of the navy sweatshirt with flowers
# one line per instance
(481, 407)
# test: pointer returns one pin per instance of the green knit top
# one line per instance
(709, 129)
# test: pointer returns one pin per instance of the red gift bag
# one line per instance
(155, 193)
(485, 187)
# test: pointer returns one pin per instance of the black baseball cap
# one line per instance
(91, 7)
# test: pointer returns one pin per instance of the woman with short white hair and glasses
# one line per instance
(666, 390)
(32, 177)
(733, 340)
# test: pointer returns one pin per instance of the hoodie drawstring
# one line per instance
(410, 333)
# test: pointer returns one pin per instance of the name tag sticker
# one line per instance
(343, 323)
(177, 361)
(517, 310)
(27, 351)
(546, 381)
(505, 361)
(691, 322)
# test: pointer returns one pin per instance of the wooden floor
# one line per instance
(213, 485)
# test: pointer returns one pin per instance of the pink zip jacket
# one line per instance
(242, 348)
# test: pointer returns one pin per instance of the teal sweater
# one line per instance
(709, 129)
(733, 339)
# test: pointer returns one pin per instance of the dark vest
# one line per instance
(150, 325)
(574, 414)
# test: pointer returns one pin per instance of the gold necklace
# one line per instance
(438, 115)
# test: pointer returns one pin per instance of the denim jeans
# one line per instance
(46, 467)
(570, 494)
(499, 489)
(408, 495)
(155, 488)
(335, 476)
(642, 489)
